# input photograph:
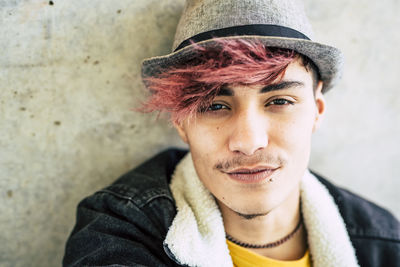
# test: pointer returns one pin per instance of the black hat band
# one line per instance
(244, 30)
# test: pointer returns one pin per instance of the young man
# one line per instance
(244, 87)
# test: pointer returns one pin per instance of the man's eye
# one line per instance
(280, 102)
(215, 107)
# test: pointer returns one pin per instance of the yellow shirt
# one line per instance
(243, 257)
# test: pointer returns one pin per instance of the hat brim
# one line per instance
(328, 59)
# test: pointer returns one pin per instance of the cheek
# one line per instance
(207, 147)
(205, 143)
(293, 135)
(205, 139)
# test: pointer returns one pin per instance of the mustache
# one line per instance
(242, 160)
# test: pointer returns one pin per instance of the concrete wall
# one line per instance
(69, 76)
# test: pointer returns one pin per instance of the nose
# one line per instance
(249, 133)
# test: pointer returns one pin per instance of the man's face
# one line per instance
(252, 134)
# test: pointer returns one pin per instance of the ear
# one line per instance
(320, 105)
(181, 131)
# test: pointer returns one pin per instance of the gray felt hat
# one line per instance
(276, 23)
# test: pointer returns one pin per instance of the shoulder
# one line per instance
(362, 216)
(127, 221)
(148, 181)
(141, 192)
(373, 230)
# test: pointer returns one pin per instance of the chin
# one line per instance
(262, 200)
(255, 203)
(262, 206)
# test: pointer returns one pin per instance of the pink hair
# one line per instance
(188, 88)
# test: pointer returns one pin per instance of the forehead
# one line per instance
(237, 90)
(295, 77)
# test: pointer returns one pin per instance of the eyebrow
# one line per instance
(281, 86)
(226, 91)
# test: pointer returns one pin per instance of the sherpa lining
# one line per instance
(197, 236)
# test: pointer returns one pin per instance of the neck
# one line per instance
(275, 223)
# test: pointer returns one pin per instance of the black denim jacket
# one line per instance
(126, 223)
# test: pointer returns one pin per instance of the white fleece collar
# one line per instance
(197, 236)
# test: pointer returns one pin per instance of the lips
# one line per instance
(252, 175)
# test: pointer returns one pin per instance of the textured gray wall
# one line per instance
(69, 76)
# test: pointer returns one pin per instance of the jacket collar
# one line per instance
(197, 236)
